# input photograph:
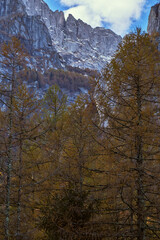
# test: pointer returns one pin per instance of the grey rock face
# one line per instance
(72, 41)
(30, 30)
(86, 47)
(8, 7)
(154, 19)
(53, 20)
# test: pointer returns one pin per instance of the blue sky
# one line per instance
(122, 16)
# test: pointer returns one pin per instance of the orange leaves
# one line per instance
(14, 53)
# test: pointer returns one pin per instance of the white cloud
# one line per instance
(118, 13)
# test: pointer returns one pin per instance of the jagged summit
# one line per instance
(72, 41)
(40, 8)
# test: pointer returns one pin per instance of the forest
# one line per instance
(71, 79)
(89, 170)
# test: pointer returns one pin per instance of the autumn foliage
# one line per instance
(88, 170)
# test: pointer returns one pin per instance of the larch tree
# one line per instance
(55, 103)
(69, 212)
(26, 128)
(128, 98)
(13, 59)
(54, 109)
(51, 144)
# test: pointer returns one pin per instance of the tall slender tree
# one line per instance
(128, 103)
(13, 59)
(26, 108)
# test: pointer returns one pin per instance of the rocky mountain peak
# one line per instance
(76, 43)
(154, 19)
(40, 8)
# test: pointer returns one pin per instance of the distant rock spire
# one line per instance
(154, 19)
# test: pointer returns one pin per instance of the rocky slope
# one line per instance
(59, 42)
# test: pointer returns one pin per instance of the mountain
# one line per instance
(49, 37)
(154, 21)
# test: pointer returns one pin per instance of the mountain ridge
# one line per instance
(71, 41)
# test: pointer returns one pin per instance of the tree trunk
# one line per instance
(140, 171)
(10, 157)
(19, 189)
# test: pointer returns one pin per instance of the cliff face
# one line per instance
(82, 46)
(154, 19)
(8, 7)
(48, 34)
(15, 21)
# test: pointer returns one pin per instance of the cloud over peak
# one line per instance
(117, 13)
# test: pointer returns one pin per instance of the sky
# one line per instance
(121, 16)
